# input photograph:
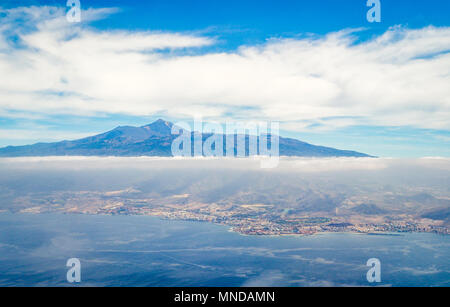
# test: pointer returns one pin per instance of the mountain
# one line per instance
(440, 214)
(154, 139)
(368, 209)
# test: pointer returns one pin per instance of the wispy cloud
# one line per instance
(43, 134)
(420, 271)
(54, 67)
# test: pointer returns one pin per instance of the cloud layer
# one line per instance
(52, 66)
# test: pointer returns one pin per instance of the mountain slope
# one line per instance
(154, 139)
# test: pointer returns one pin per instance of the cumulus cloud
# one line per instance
(55, 67)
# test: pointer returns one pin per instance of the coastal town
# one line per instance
(247, 219)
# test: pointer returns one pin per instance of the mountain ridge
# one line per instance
(154, 139)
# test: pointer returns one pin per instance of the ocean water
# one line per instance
(147, 251)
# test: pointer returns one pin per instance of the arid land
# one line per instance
(249, 219)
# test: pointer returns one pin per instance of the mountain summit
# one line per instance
(159, 127)
(154, 139)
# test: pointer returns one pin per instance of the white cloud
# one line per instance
(419, 272)
(44, 134)
(400, 78)
(287, 164)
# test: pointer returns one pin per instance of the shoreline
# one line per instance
(230, 228)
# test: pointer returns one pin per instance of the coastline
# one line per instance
(231, 228)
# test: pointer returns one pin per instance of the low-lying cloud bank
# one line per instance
(287, 164)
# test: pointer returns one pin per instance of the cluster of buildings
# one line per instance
(255, 219)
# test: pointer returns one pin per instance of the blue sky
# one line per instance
(181, 44)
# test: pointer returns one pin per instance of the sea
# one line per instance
(147, 251)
